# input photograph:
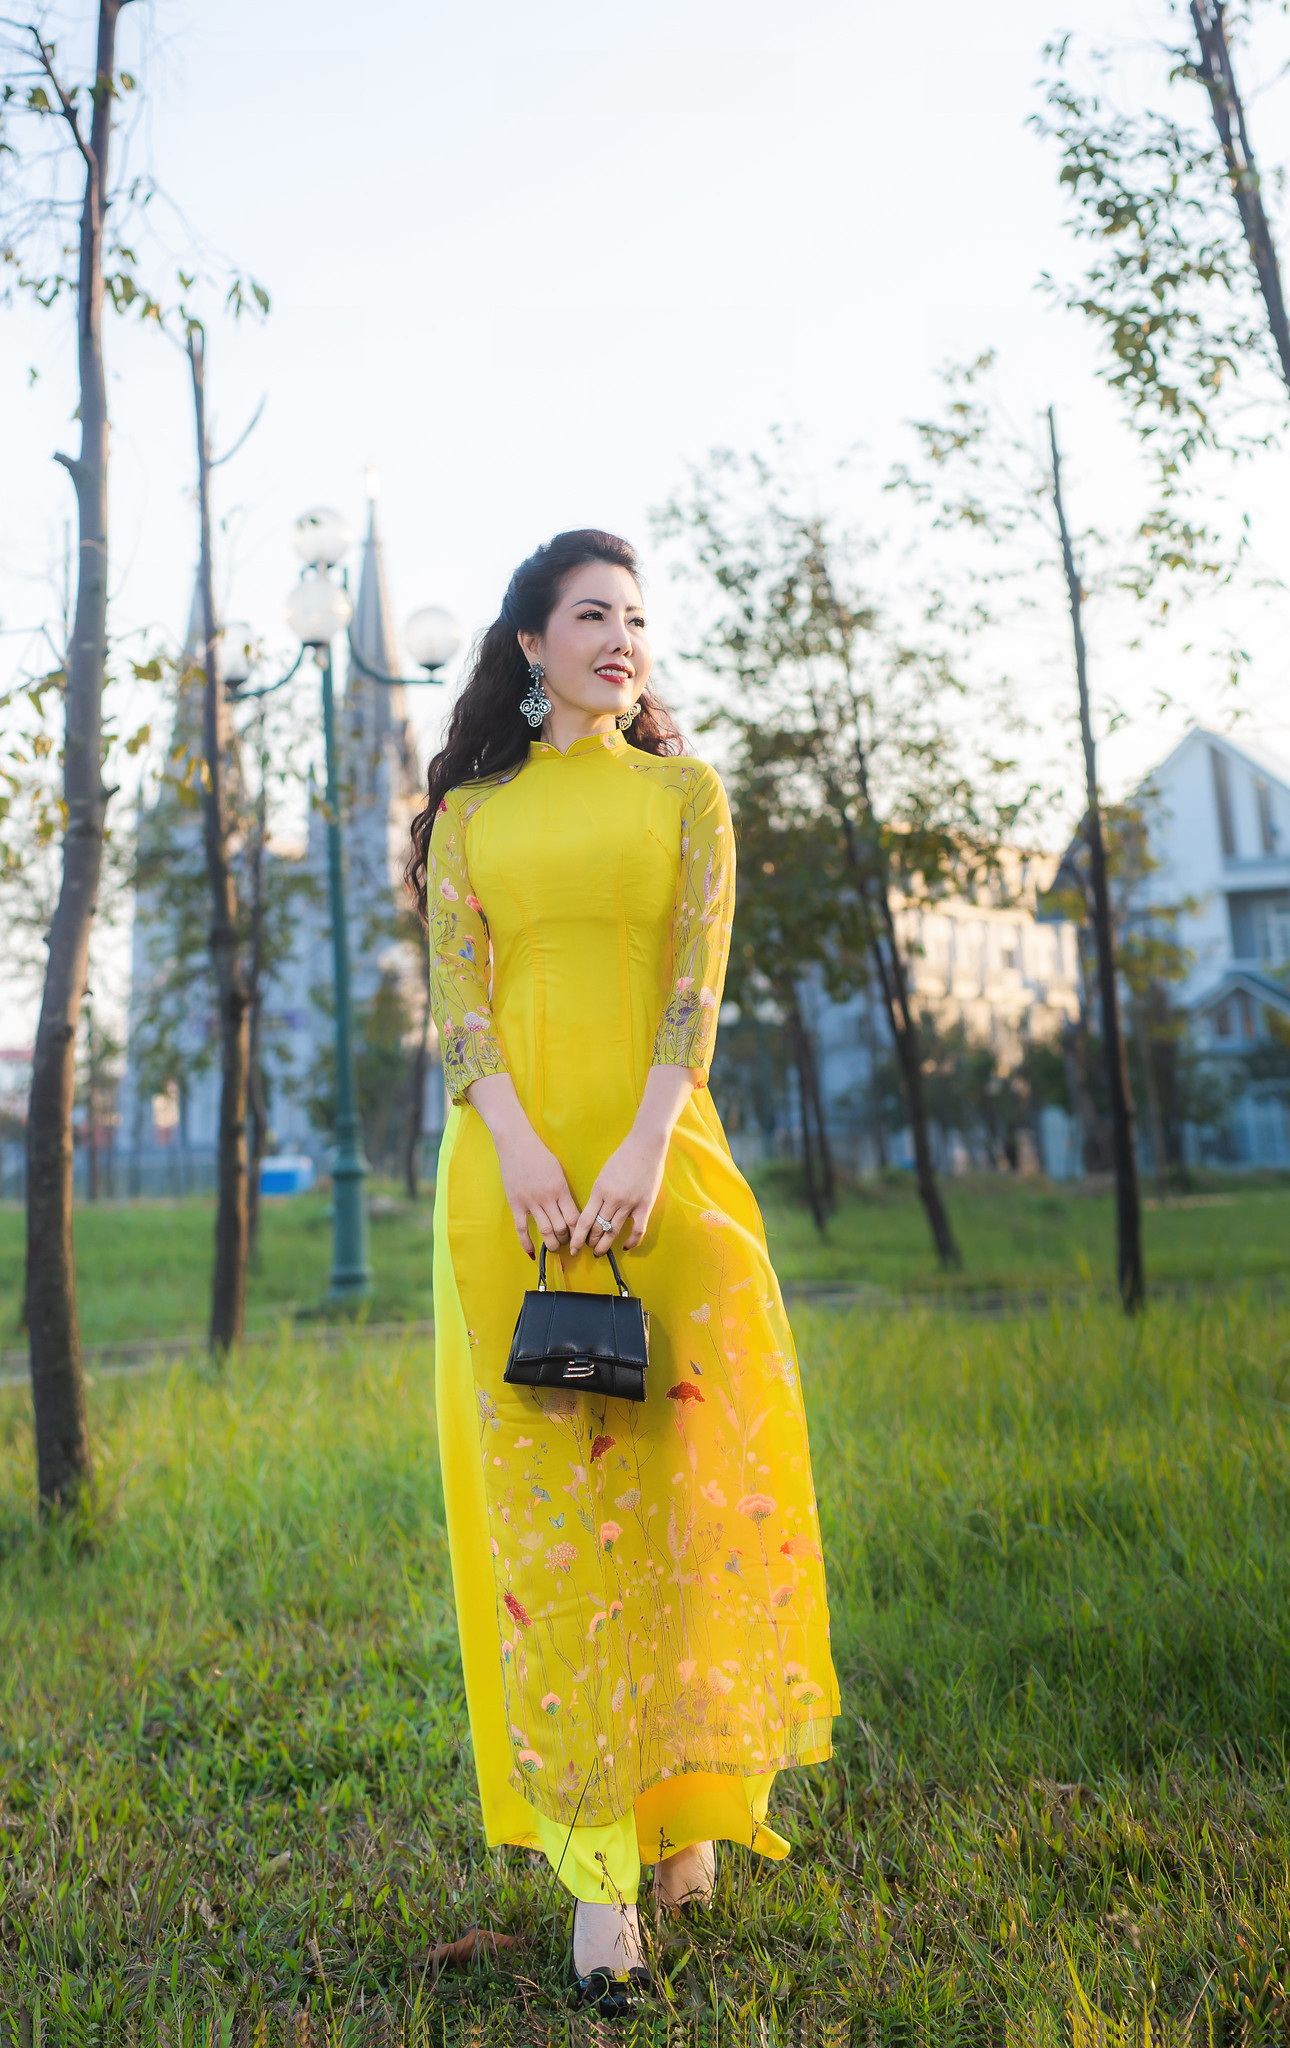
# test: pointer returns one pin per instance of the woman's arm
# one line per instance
(629, 1181)
(531, 1174)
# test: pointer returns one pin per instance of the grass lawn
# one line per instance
(234, 1762)
(144, 1267)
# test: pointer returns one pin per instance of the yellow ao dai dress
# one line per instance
(639, 1587)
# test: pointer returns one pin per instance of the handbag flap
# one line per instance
(569, 1323)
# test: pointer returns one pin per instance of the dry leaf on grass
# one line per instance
(477, 1944)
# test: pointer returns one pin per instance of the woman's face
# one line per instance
(595, 651)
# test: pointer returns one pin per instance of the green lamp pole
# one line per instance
(319, 609)
(351, 1271)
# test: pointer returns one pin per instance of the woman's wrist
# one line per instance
(495, 1098)
(667, 1090)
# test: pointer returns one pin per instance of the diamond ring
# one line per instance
(604, 1223)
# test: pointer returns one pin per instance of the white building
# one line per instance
(986, 961)
(1217, 814)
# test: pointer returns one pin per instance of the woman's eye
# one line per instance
(591, 615)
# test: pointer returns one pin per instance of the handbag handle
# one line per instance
(542, 1286)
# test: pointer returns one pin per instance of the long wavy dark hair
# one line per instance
(487, 732)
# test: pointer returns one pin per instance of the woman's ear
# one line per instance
(529, 644)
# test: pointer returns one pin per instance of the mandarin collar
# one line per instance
(611, 742)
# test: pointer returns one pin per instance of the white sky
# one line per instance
(530, 260)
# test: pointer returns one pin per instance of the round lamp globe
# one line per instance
(432, 636)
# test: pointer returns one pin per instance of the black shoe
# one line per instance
(612, 1995)
(614, 1998)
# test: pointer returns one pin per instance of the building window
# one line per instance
(1223, 801)
(1267, 829)
(1272, 931)
(1223, 1021)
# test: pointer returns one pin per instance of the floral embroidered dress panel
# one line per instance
(639, 1586)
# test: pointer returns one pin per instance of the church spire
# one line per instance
(373, 626)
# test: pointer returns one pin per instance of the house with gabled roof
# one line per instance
(1216, 812)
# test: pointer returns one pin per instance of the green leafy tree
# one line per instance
(1183, 282)
(798, 913)
(856, 718)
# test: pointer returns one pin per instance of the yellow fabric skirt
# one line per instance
(597, 1863)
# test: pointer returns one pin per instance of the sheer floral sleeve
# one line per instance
(701, 919)
(459, 963)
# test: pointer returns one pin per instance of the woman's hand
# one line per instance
(628, 1182)
(532, 1176)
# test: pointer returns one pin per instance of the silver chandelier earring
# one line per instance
(627, 717)
(536, 705)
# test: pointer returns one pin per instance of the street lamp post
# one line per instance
(318, 609)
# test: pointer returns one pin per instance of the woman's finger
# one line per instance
(586, 1217)
(551, 1230)
(603, 1239)
(520, 1217)
(640, 1223)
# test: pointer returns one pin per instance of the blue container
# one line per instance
(286, 1173)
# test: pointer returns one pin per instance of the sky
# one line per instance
(530, 261)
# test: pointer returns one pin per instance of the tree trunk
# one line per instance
(894, 983)
(64, 1467)
(228, 1285)
(868, 863)
(1217, 76)
(1127, 1206)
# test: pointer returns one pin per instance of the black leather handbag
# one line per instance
(596, 1343)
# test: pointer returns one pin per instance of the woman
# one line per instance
(639, 1587)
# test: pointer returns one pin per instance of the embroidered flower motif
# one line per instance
(447, 891)
(609, 1535)
(756, 1506)
(601, 1445)
(712, 1494)
(798, 1546)
(807, 1692)
(560, 1556)
(781, 1596)
(515, 1610)
(475, 903)
(615, 1607)
(707, 999)
(530, 1760)
(700, 1315)
(595, 1625)
(719, 1681)
(550, 1703)
(627, 1501)
(686, 1669)
(684, 1391)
